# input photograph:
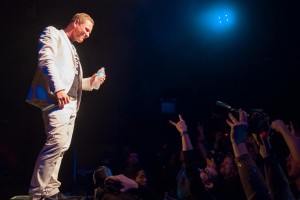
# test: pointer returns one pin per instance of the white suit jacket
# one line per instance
(56, 69)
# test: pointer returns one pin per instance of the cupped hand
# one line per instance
(239, 128)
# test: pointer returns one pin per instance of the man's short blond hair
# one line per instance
(82, 17)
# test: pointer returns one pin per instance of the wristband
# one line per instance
(183, 133)
(240, 133)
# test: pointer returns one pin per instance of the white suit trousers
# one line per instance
(59, 126)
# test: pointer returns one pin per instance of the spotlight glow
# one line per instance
(216, 18)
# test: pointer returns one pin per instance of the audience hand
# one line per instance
(180, 125)
(126, 182)
(239, 132)
(263, 144)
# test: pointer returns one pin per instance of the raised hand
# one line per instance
(239, 128)
(182, 128)
(180, 125)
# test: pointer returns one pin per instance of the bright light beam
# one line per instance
(216, 19)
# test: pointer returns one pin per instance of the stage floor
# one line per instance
(26, 197)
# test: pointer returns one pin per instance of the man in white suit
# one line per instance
(56, 89)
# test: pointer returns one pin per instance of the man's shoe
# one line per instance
(57, 196)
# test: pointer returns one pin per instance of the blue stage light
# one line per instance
(216, 18)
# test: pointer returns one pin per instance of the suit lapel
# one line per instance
(74, 53)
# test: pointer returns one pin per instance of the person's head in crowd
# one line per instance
(100, 174)
(228, 167)
(209, 176)
(132, 158)
(141, 177)
(132, 164)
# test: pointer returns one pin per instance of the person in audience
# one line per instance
(168, 166)
(201, 147)
(183, 185)
(132, 164)
(129, 189)
(290, 135)
(201, 181)
(222, 143)
(140, 176)
(254, 184)
(231, 186)
(121, 187)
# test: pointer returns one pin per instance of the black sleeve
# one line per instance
(252, 180)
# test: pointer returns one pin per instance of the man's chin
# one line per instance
(79, 40)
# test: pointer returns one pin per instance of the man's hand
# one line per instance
(263, 144)
(279, 126)
(102, 79)
(181, 126)
(126, 182)
(62, 98)
(239, 128)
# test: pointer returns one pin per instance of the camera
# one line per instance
(258, 123)
(258, 120)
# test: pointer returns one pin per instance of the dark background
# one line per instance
(153, 53)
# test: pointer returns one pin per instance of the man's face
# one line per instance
(81, 30)
(205, 176)
(227, 167)
(208, 174)
(141, 177)
(133, 159)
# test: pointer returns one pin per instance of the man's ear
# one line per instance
(76, 22)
